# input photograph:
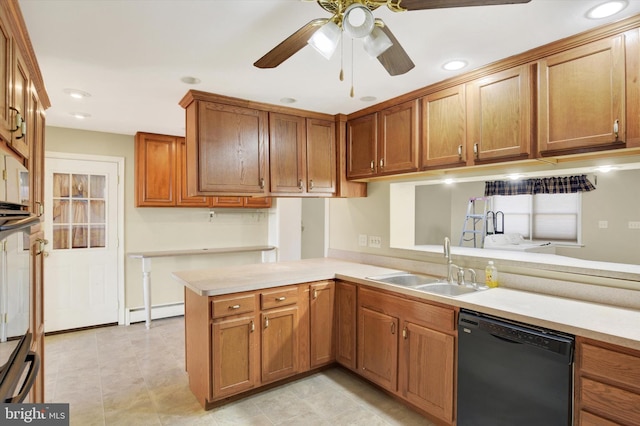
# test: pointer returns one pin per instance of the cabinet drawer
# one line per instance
(617, 403)
(588, 419)
(614, 366)
(280, 297)
(232, 305)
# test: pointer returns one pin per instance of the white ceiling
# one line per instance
(131, 54)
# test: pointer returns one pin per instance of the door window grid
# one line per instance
(79, 211)
(542, 217)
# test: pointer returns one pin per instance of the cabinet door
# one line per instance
(444, 128)
(234, 355)
(231, 149)
(35, 133)
(183, 199)
(6, 116)
(20, 88)
(362, 146)
(257, 202)
(499, 115)
(155, 166)
(427, 369)
(399, 138)
(36, 322)
(321, 319)
(345, 317)
(378, 347)
(287, 153)
(581, 97)
(279, 343)
(321, 156)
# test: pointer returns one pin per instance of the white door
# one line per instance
(81, 223)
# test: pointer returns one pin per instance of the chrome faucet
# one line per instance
(450, 265)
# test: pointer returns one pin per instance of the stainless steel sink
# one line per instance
(405, 279)
(424, 283)
(446, 289)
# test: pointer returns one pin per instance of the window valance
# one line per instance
(549, 185)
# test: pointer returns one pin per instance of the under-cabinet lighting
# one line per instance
(448, 181)
(605, 169)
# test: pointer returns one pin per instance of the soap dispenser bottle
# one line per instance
(491, 275)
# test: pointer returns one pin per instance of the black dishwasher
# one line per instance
(512, 374)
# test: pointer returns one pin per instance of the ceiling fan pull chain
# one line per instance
(352, 91)
(342, 56)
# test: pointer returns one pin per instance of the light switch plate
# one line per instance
(603, 224)
(362, 240)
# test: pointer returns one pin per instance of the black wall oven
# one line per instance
(18, 364)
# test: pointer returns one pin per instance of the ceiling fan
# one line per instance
(355, 17)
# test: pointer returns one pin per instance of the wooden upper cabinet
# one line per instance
(321, 156)
(287, 153)
(7, 122)
(362, 146)
(155, 164)
(582, 97)
(444, 128)
(499, 115)
(35, 133)
(229, 151)
(183, 199)
(20, 103)
(398, 138)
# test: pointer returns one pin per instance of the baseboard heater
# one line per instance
(134, 315)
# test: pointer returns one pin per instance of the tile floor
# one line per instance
(133, 376)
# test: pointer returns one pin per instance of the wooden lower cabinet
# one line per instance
(408, 347)
(280, 345)
(321, 320)
(345, 324)
(234, 355)
(607, 384)
(378, 347)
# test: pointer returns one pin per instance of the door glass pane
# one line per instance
(79, 223)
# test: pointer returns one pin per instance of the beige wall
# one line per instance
(150, 229)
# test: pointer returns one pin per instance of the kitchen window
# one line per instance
(542, 217)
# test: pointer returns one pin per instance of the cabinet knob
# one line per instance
(382, 163)
(393, 328)
(234, 307)
(475, 150)
(460, 152)
(616, 125)
(266, 322)
(373, 166)
(300, 184)
(252, 327)
(311, 184)
(315, 293)
(261, 183)
(281, 299)
(404, 332)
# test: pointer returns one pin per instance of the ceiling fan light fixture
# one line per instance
(358, 20)
(376, 43)
(326, 39)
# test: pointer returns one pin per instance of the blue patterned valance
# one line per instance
(549, 185)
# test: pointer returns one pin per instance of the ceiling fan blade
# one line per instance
(440, 4)
(289, 46)
(395, 60)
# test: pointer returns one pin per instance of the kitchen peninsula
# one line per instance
(268, 322)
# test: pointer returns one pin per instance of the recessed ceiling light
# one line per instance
(80, 115)
(368, 98)
(77, 94)
(456, 64)
(607, 9)
(190, 80)
(287, 100)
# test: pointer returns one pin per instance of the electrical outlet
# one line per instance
(603, 224)
(362, 240)
(634, 225)
(374, 241)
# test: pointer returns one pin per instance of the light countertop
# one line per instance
(601, 322)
